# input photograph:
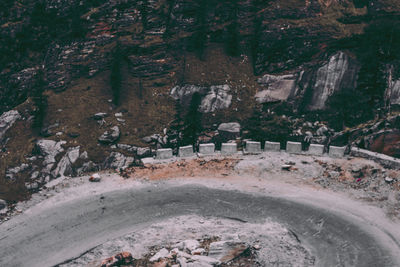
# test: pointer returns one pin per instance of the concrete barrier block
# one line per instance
(316, 149)
(185, 151)
(293, 147)
(228, 148)
(272, 146)
(206, 149)
(165, 153)
(253, 147)
(336, 151)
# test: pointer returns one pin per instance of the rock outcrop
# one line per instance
(277, 87)
(118, 161)
(214, 98)
(110, 136)
(229, 131)
(7, 119)
(392, 93)
(339, 73)
(64, 166)
(49, 149)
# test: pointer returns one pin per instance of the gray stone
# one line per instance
(229, 131)
(184, 93)
(218, 97)
(89, 166)
(225, 251)
(143, 152)
(64, 166)
(228, 148)
(32, 186)
(392, 93)
(253, 147)
(165, 153)
(186, 151)
(205, 261)
(316, 149)
(84, 155)
(206, 149)
(395, 93)
(279, 88)
(336, 152)
(7, 119)
(49, 149)
(340, 72)
(110, 136)
(34, 175)
(118, 161)
(163, 253)
(213, 98)
(322, 130)
(147, 139)
(100, 115)
(12, 172)
(272, 146)
(3, 204)
(293, 147)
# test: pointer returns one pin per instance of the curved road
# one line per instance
(68, 230)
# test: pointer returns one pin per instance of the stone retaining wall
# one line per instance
(384, 160)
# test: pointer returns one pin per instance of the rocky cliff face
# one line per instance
(339, 73)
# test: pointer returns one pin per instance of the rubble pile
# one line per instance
(208, 252)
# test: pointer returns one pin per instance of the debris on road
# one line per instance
(95, 178)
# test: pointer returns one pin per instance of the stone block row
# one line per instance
(251, 147)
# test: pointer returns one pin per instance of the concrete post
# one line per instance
(293, 147)
(206, 149)
(228, 148)
(272, 146)
(185, 151)
(316, 149)
(336, 151)
(253, 147)
(165, 153)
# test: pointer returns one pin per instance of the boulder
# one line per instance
(7, 119)
(3, 204)
(118, 161)
(163, 253)
(110, 136)
(89, 166)
(214, 98)
(184, 93)
(229, 131)
(225, 251)
(100, 115)
(217, 98)
(64, 166)
(126, 147)
(278, 88)
(393, 92)
(143, 152)
(49, 149)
